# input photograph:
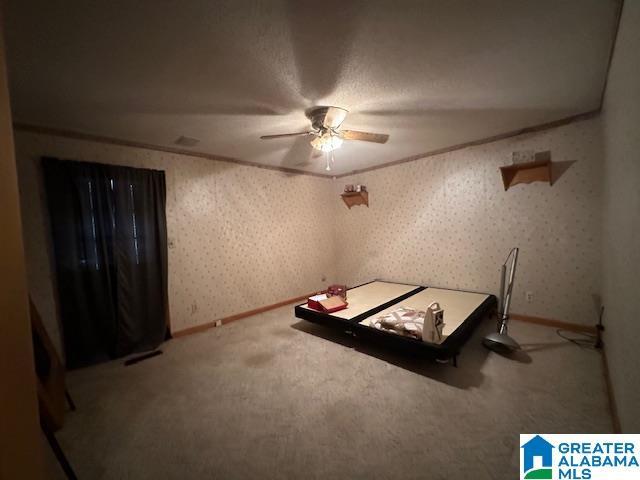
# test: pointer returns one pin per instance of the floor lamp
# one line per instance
(500, 341)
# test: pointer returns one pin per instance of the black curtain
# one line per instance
(110, 245)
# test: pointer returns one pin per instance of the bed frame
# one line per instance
(448, 350)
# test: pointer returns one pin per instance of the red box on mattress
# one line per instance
(323, 303)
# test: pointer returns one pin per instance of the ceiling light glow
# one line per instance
(326, 142)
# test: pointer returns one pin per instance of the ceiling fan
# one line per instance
(326, 132)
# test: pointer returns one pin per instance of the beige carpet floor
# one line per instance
(272, 396)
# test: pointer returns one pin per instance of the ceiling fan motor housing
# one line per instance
(323, 118)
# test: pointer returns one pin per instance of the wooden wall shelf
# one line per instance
(355, 198)
(537, 171)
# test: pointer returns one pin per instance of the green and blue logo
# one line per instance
(537, 459)
(580, 456)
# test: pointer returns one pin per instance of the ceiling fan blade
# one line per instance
(364, 136)
(299, 155)
(268, 137)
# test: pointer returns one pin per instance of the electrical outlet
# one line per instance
(529, 297)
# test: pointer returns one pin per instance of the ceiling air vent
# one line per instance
(187, 141)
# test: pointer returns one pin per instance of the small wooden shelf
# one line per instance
(355, 198)
(537, 171)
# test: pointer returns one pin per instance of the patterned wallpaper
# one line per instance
(447, 221)
(239, 237)
(621, 259)
(242, 237)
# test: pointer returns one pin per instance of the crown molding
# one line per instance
(25, 127)
(495, 138)
(60, 132)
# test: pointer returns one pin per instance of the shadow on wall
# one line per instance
(467, 375)
(559, 168)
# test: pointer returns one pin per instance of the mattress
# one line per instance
(457, 305)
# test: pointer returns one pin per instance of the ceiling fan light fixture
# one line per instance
(326, 142)
(326, 134)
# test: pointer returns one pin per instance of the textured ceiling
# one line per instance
(432, 74)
